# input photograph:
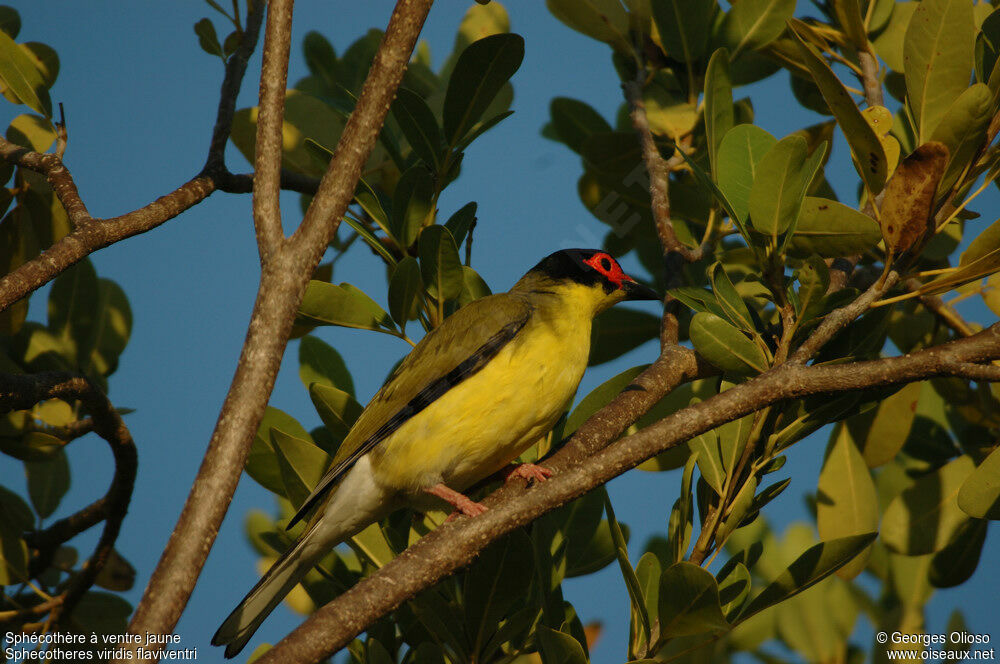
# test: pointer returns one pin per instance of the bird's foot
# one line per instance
(527, 471)
(462, 503)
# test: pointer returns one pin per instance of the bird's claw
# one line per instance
(528, 471)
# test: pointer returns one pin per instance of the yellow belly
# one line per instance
(485, 422)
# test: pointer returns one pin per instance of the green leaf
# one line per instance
(814, 565)
(344, 305)
(681, 518)
(981, 259)
(938, 55)
(308, 120)
(706, 181)
(869, 155)
(729, 299)
(709, 455)
(831, 229)
(31, 131)
(111, 329)
(419, 126)
(880, 434)
(440, 266)
(725, 346)
(574, 122)
(889, 42)
(496, 584)
(13, 557)
(740, 153)
(261, 463)
(619, 330)
(336, 408)
(979, 495)
(719, 116)
(473, 286)
(481, 71)
(301, 465)
(371, 203)
(734, 587)
(750, 25)
(412, 203)
(683, 26)
(628, 574)
(963, 130)
(741, 507)
(689, 602)
(814, 281)
(405, 288)
(207, 38)
(460, 224)
(614, 154)
(925, 516)
(48, 482)
(846, 502)
(102, 613)
(559, 648)
(647, 572)
(10, 21)
(22, 77)
(603, 20)
(320, 363)
(954, 564)
(478, 130)
(599, 397)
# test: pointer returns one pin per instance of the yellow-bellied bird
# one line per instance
(470, 397)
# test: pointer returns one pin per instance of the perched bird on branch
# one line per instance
(468, 399)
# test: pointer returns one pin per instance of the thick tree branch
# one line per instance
(456, 544)
(268, 150)
(283, 282)
(19, 392)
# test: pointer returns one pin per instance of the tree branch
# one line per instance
(659, 174)
(19, 392)
(268, 147)
(91, 234)
(456, 544)
(869, 79)
(283, 282)
(838, 319)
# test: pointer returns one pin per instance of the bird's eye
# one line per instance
(606, 264)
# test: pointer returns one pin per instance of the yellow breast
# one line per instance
(486, 421)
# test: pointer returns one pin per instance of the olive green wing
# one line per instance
(457, 349)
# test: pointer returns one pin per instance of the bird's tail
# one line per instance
(356, 502)
(277, 582)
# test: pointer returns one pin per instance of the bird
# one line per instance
(471, 396)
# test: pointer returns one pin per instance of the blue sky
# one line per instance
(140, 100)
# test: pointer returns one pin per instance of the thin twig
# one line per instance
(941, 309)
(838, 319)
(20, 392)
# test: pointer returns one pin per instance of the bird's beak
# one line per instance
(636, 291)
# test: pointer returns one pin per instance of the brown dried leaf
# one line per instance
(909, 197)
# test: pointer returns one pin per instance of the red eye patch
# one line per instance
(609, 267)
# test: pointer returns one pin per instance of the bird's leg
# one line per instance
(462, 503)
(528, 471)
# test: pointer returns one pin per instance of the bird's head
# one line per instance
(590, 277)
